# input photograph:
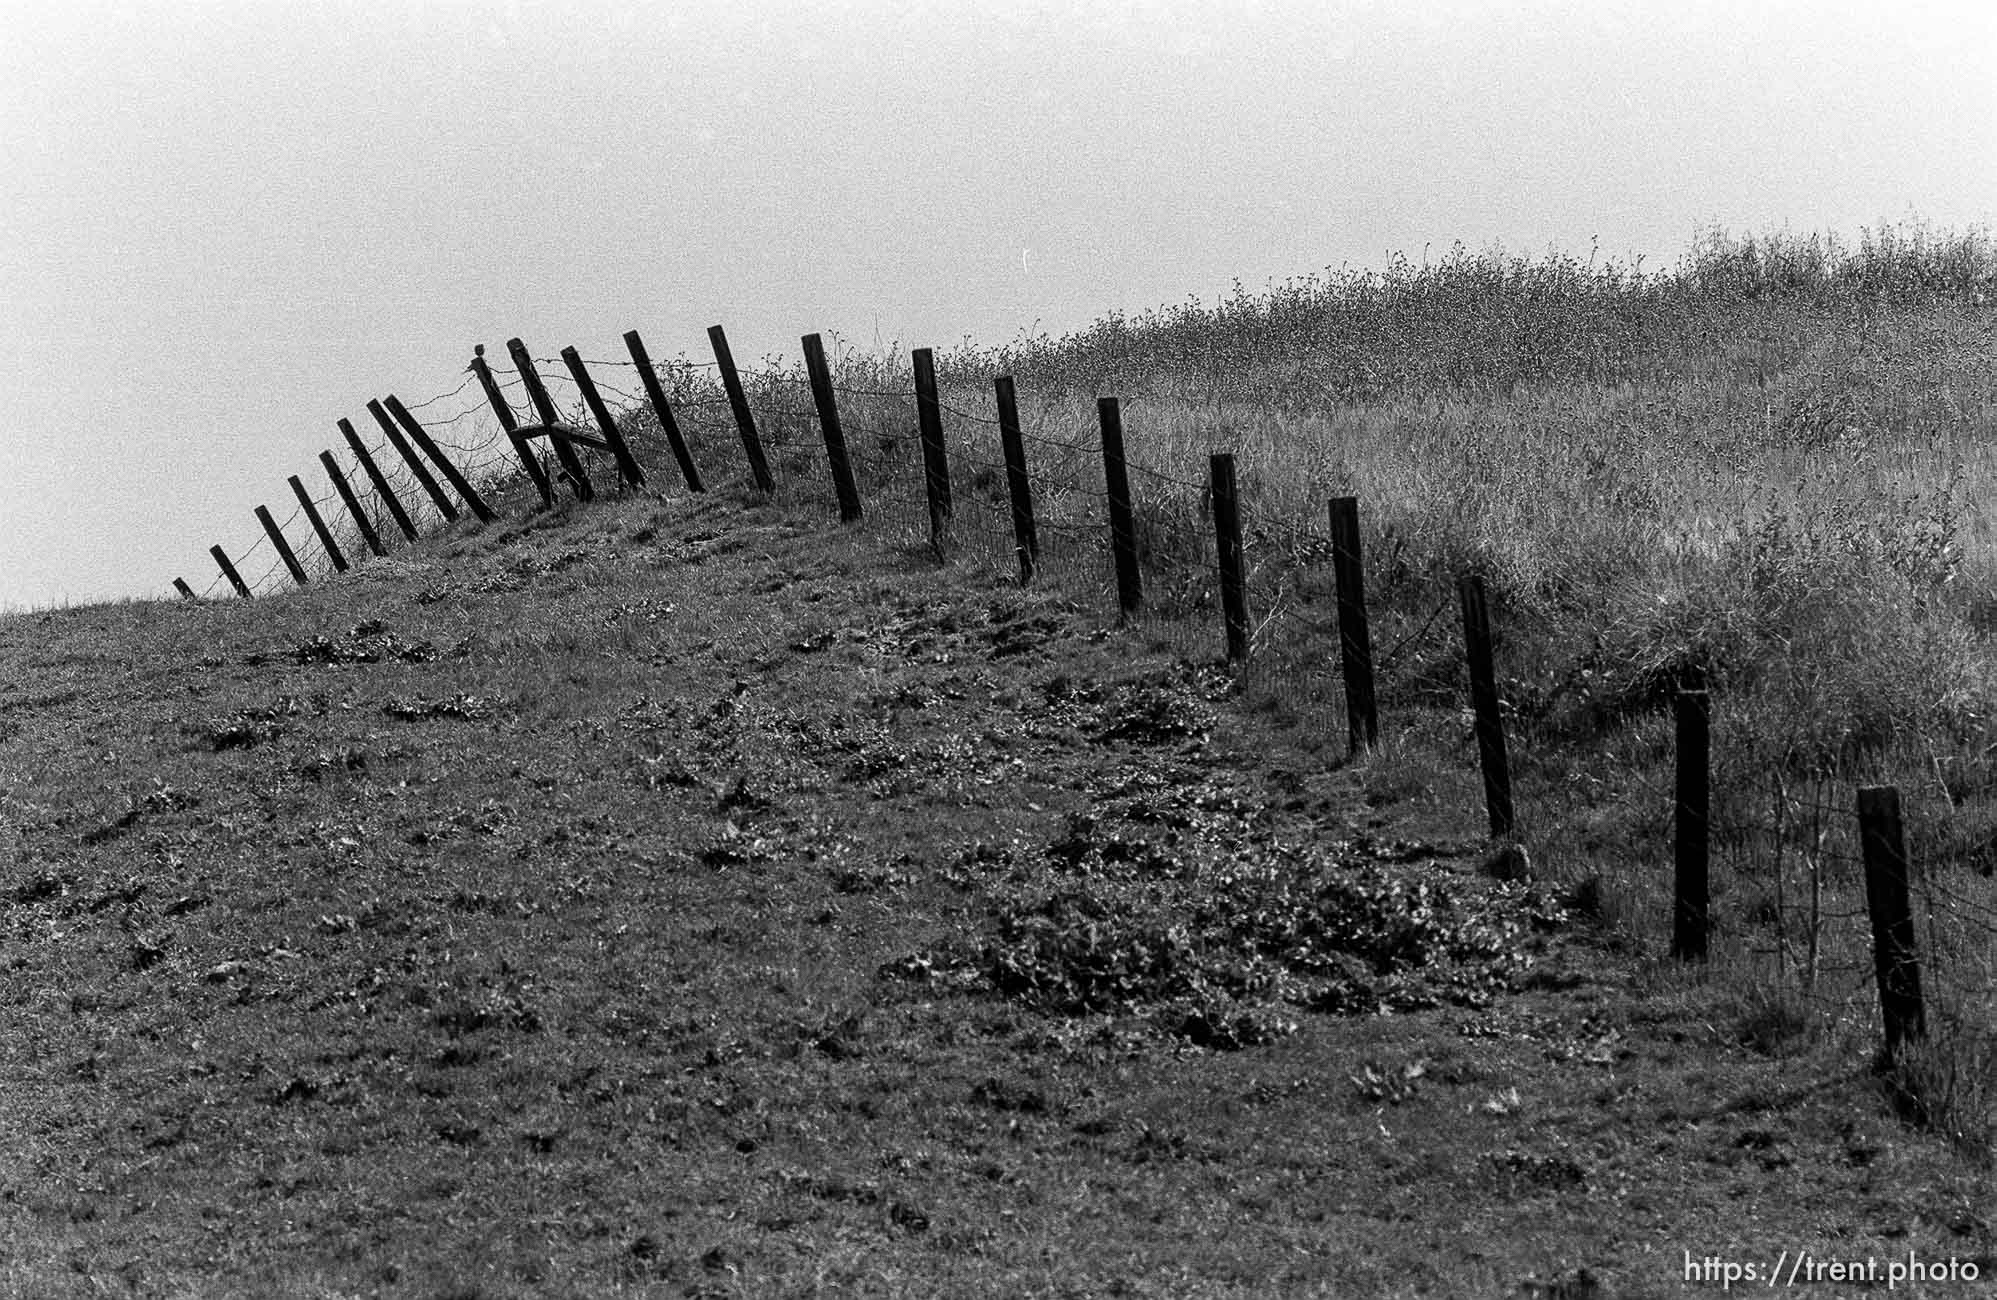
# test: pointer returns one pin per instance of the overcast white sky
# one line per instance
(223, 225)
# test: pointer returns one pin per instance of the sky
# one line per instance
(223, 225)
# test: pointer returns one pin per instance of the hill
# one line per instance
(686, 895)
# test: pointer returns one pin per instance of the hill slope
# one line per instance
(684, 898)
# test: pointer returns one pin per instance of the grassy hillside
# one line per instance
(686, 896)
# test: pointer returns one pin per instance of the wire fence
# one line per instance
(1788, 872)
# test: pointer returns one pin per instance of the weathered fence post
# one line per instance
(187, 592)
(1691, 914)
(379, 479)
(835, 437)
(935, 460)
(1355, 639)
(504, 411)
(1894, 960)
(661, 408)
(1484, 699)
(1122, 520)
(229, 572)
(414, 461)
(451, 472)
(1227, 546)
(544, 407)
(627, 467)
(283, 547)
(311, 510)
(1025, 540)
(353, 505)
(745, 419)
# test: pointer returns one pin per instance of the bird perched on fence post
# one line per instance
(478, 354)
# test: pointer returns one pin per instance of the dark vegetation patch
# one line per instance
(365, 643)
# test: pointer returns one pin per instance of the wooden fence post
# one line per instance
(311, 510)
(661, 408)
(504, 411)
(229, 572)
(1691, 915)
(1894, 960)
(1122, 520)
(835, 437)
(353, 505)
(627, 467)
(187, 592)
(1355, 639)
(379, 479)
(1484, 699)
(1227, 546)
(451, 472)
(544, 407)
(1025, 540)
(283, 547)
(745, 419)
(414, 461)
(935, 460)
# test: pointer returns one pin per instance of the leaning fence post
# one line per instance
(451, 472)
(1355, 640)
(1894, 960)
(1484, 699)
(410, 458)
(311, 510)
(663, 409)
(544, 406)
(626, 466)
(353, 505)
(229, 571)
(379, 479)
(1122, 521)
(283, 547)
(1690, 916)
(935, 460)
(1227, 545)
(501, 409)
(745, 419)
(1024, 538)
(835, 437)
(187, 592)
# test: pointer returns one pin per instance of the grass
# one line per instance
(689, 897)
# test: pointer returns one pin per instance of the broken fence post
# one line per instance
(529, 461)
(544, 406)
